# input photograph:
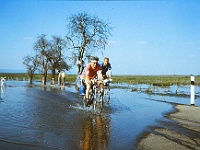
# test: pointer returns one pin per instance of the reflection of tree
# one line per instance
(96, 133)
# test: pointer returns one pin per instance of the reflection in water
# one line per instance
(44, 117)
(96, 131)
(2, 92)
(52, 88)
(62, 87)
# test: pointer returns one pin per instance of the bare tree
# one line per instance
(31, 64)
(57, 59)
(42, 47)
(87, 34)
(57, 46)
(48, 57)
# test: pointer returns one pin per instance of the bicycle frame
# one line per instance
(98, 94)
(98, 100)
(95, 95)
(106, 96)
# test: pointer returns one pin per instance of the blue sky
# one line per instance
(148, 37)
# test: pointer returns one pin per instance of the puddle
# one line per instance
(51, 117)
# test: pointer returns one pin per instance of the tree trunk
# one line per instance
(30, 74)
(31, 79)
(45, 76)
(81, 53)
(53, 72)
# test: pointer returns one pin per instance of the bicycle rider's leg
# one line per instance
(88, 87)
(101, 86)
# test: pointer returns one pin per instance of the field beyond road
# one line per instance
(158, 80)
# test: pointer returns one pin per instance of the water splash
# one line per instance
(81, 107)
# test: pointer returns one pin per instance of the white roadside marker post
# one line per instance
(192, 95)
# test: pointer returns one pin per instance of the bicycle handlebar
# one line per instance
(104, 81)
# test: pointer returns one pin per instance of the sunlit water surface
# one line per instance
(53, 117)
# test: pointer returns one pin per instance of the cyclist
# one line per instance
(92, 70)
(106, 66)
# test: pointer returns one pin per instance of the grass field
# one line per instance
(159, 80)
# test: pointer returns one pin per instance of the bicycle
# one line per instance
(98, 94)
(95, 96)
(106, 94)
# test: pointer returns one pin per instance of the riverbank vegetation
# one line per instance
(156, 80)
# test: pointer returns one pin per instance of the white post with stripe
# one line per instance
(192, 92)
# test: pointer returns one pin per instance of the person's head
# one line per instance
(94, 62)
(106, 60)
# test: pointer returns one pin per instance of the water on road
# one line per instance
(49, 117)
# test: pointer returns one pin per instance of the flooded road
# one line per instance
(38, 117)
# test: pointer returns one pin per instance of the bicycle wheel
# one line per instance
(106, 94)
(98, 108)
(90, 101)
(98, 96)
(98, 102)
(84, 101)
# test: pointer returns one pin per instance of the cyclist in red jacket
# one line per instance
(92, 70)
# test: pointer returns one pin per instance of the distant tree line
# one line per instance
(85, 35)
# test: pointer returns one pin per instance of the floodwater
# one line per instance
(49, 117)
